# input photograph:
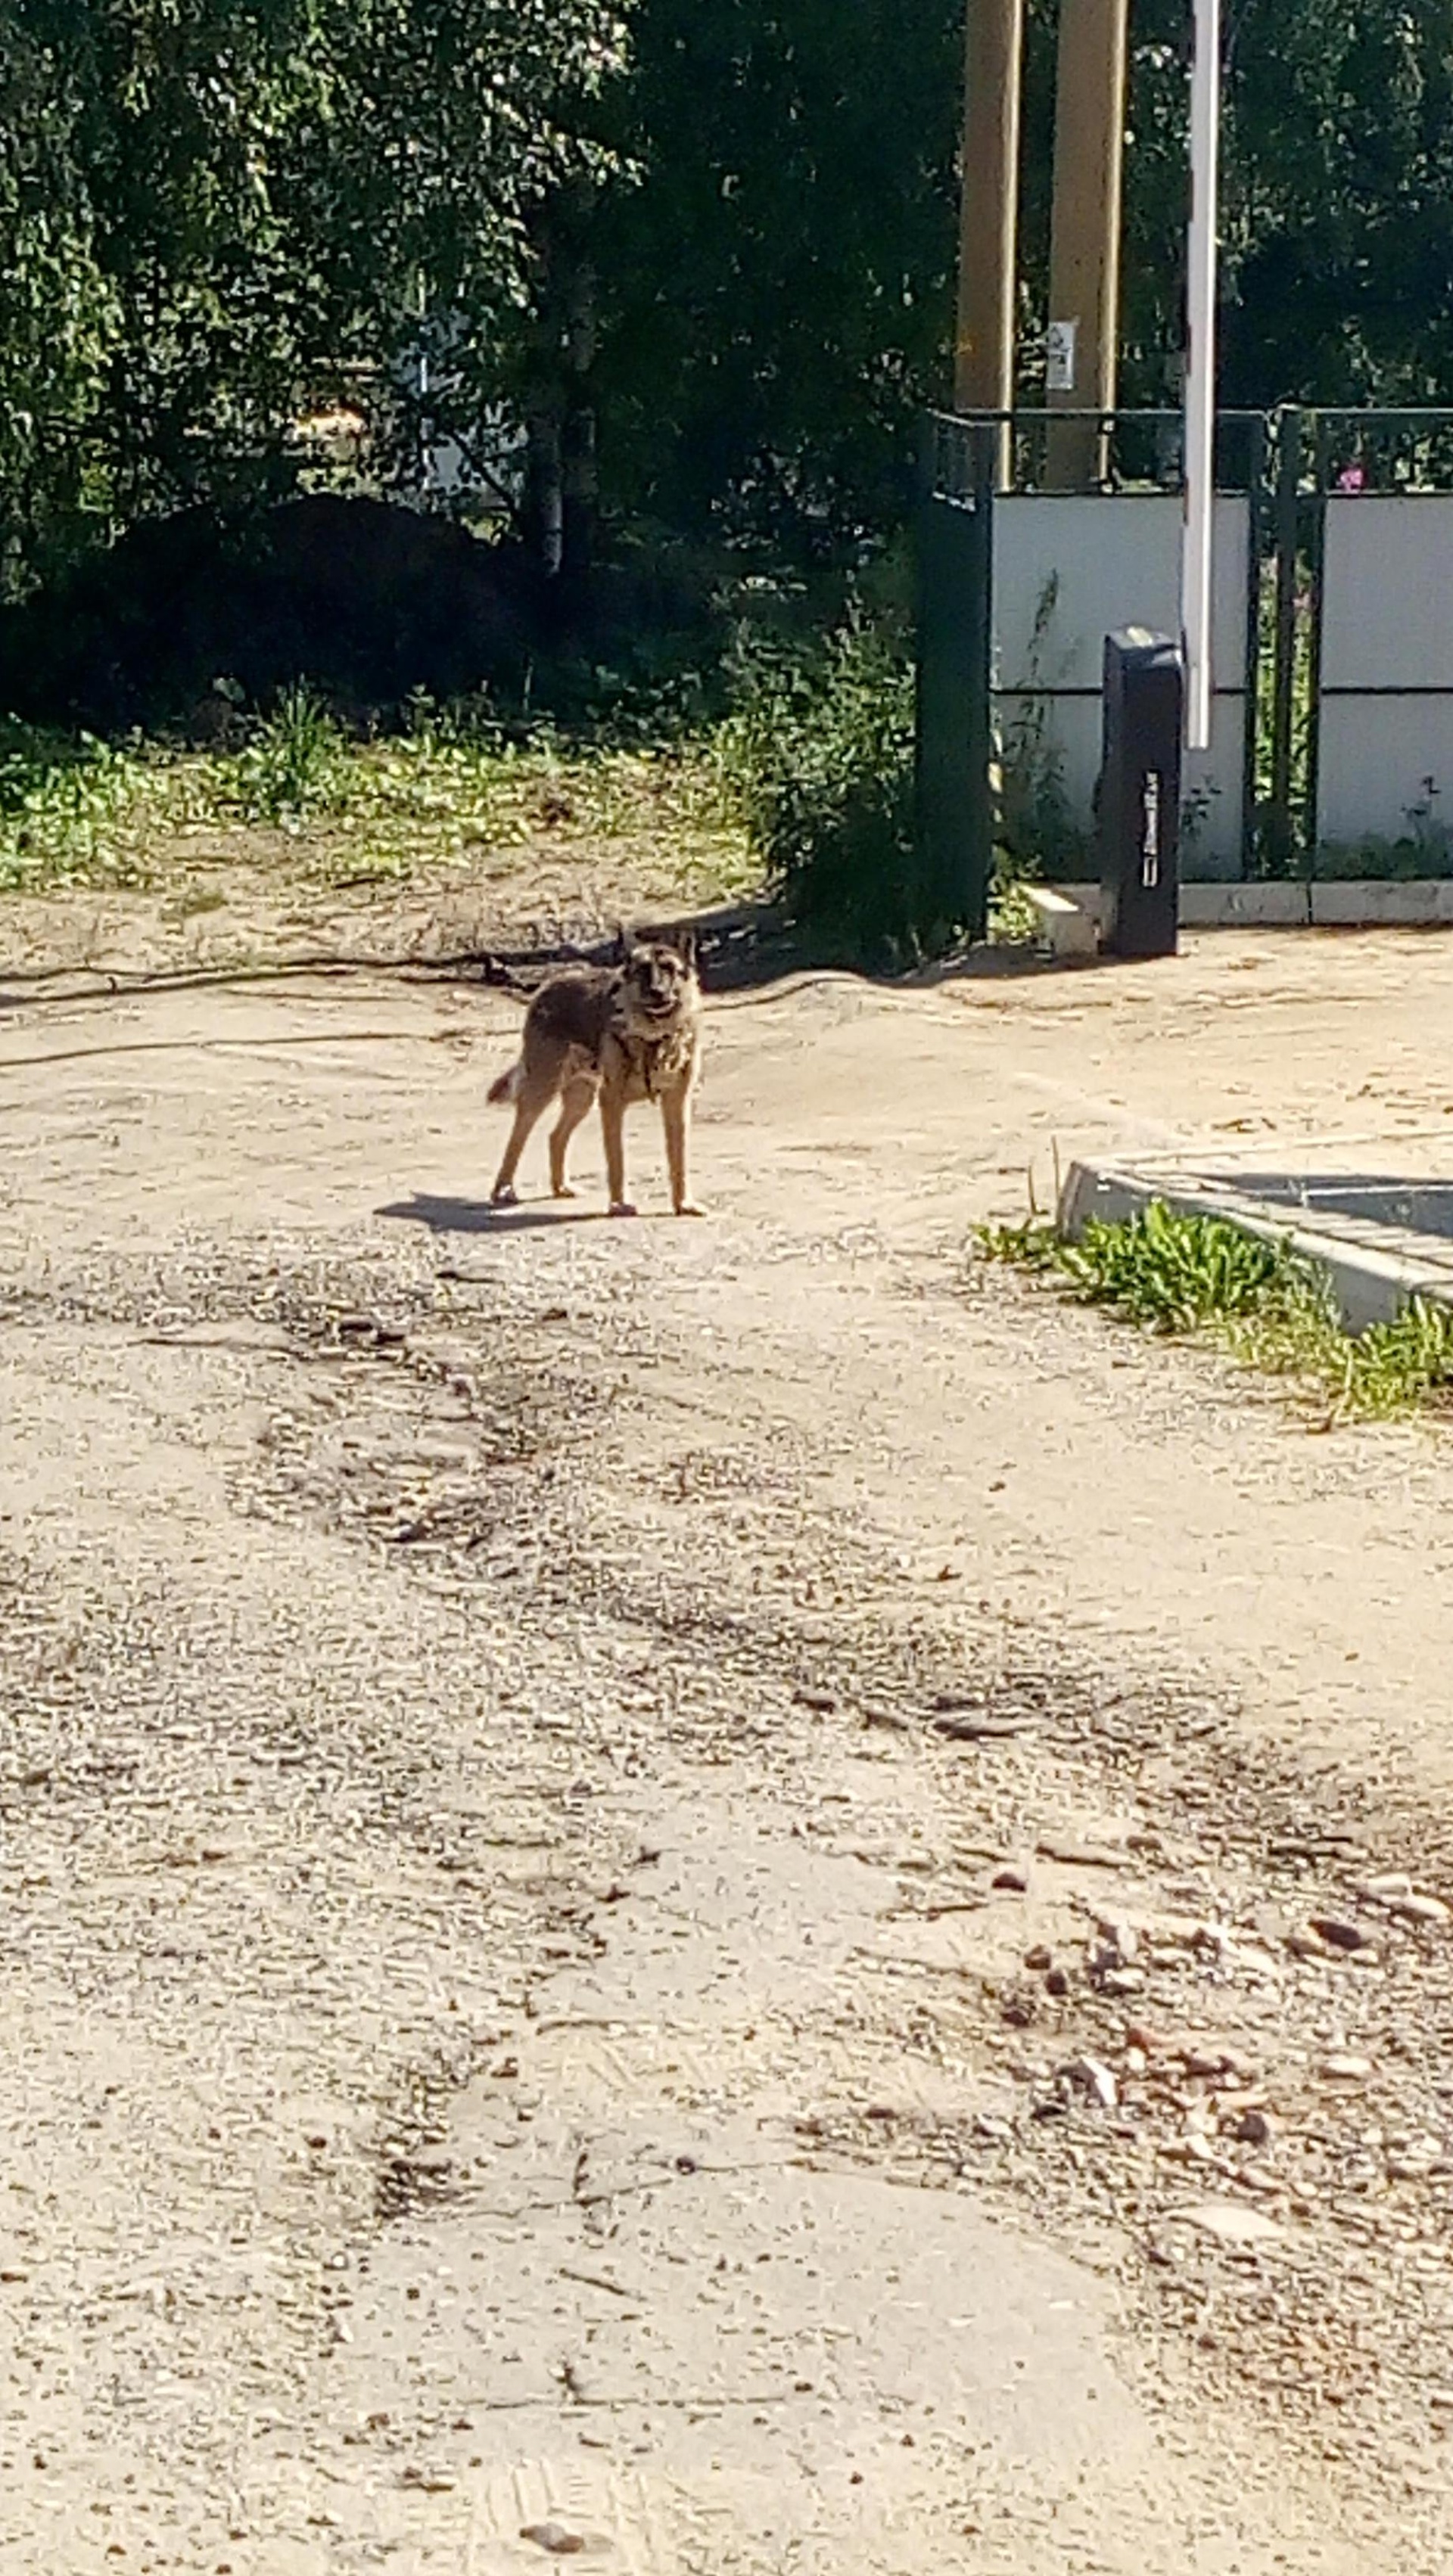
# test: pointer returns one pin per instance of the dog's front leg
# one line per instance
(676, 1119)
(613, 1127)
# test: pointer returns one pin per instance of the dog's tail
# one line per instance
(508, 1085)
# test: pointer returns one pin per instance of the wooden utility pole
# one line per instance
(1084, 247)
(988, 225)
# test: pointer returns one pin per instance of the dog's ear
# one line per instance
(686, 949)
(623, 945)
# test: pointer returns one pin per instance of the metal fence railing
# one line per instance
(1289, 464)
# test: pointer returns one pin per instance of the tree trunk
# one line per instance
(544, 508)
(561, 481)
(580, 477)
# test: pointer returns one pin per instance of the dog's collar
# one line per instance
(648, 1052)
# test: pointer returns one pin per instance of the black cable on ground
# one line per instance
(516, 971)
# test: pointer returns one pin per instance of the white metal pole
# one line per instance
(1201, 373)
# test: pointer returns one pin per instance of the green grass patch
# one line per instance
(1197, 1277)
(454, 788)
(68, 807)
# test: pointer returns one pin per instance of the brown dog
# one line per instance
(617, 1034)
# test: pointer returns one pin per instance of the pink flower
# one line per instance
(1353, 478)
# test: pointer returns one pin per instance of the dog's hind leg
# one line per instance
(531, 1103)
(575, 1106)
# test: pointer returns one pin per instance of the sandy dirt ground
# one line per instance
(660, 1882)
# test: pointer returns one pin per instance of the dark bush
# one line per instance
(367, 600)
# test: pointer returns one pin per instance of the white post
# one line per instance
(1201, 373)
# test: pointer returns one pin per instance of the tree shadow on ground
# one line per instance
(743, 948)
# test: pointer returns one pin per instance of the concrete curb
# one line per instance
(1289, 903)
(1371, 1284)
(1280, 904)
(1417, 903)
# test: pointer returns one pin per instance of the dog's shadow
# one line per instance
(478, 1216)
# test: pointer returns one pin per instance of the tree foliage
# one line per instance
(1340, 215)
(779, 288)
(712, 249)
(783, 280)
(208, 208)
(57, 315)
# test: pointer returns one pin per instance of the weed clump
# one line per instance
(1261, 1301)
(293, 766)
(817, 761)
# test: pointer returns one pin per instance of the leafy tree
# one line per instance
(1342, 222)
(57, 313)
(719, 280)
(776, 294)
(1337, 221)
(209, 207)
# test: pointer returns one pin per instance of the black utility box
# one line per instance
(1139, 797)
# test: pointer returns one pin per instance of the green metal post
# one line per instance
(954, 813)
(1322, 460)
(1280, 835)
(1251, 702)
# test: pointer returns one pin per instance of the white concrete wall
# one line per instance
(1387, 627)
(1115, 560)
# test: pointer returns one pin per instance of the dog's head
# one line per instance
(659, 982)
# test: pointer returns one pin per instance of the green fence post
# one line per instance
(954, 816)
(1280, 836)
(1251, 698)
(1322, 464)
(981, 867)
